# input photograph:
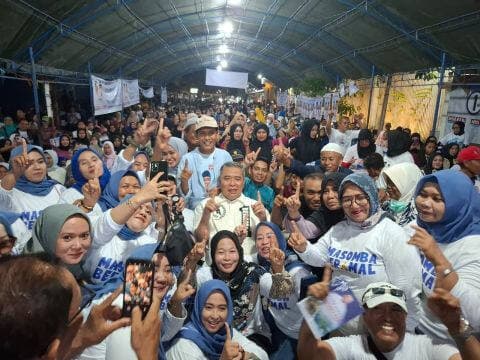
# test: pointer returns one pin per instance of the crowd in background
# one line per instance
(258, 209)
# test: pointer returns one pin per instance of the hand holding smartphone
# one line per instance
(138, 286)
(159, 166)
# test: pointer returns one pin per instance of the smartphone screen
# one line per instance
(159, 166)
(138, 286)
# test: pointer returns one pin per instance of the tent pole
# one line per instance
(34, 82)
(439, 95)
(372, 82)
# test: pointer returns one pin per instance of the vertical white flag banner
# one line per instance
(147, 93)
(130, 92)
(163, 95)
(106, 95)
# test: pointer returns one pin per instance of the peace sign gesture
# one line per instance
(251, 157)
(296, 240)
(231, 349)
(91, 191)
(320, 289)
(163, 134)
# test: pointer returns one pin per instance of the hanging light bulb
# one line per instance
(219, 67)
(224, 63)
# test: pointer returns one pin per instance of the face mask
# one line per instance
(397, 206)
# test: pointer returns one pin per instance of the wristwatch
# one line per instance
(465, 331)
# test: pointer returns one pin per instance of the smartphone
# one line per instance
(159, 166)
(137, 286)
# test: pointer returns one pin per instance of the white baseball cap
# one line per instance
(333, 147)
(382, 292)
(206, 122)
(5, 165)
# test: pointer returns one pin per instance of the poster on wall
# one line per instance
(282, 97)
(163, 95)
(106, 95)
(130, 92)
(464, 105)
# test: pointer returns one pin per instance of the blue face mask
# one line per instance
(397, 206)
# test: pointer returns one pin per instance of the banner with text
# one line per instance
(231, 79)
(107, 95)
(130, 92)
(464, 105)
(147, 93)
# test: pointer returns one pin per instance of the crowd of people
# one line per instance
(254, 210)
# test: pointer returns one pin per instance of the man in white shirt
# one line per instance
(342, 136)
(386, 337)
(231, 210)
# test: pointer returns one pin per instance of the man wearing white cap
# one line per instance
(386, 337)
(331, 157)
(199, 170)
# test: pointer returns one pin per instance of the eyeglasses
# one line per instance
(87, 297)
(380, 291)
(360, 200)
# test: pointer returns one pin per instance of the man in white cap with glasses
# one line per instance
(384, 318)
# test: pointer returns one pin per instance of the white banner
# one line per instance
(130, 92)
(316, 107)
(464, 105)
(107, 95)
(231, 79)
(163, 95)
(147, 93)
(282, 97)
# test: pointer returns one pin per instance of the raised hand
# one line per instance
(211, 206)
(231, 349)
(145, 334)
(276, 257)
(91, 191)
(259, 209)
(251, 157)
(186, 173)
(293, 203)
(447, 308)
(103, 319)
(184, 289)
(273, 166)
(143, 133)
(163, 135)
(153, 190)
(427, 244)
(296, 240)
(21, 162)
(241, 231)
(320, 289)
(279, 200)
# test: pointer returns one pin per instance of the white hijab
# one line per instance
(405, 176)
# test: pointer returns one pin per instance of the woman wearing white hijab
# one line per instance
(55, 172)
(401, 180)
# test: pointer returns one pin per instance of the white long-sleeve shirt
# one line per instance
(228, 217)
(28, 206)
(108, 252)
(464, 255)
(363, 256)
(184, 349)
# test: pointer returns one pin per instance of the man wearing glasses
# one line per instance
(384, 318)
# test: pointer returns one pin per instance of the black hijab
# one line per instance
(324, 218)
(235, 144)
(363, 152)
(265, 146)
(306, 148)
(398, 143)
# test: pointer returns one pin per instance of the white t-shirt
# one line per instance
(184, 349)
(364, 256)
(256, 324)
(285, 311)
(71, 195)
(28, 206)
(451, 138)
(117, 345)
(464, 255)
(413, 347)
(343, 139)
(228, 217)
(356, 163)
(108, 253)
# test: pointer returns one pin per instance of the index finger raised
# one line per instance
(228, 334)
(24, 146)
(327, 274)
(294, 226)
